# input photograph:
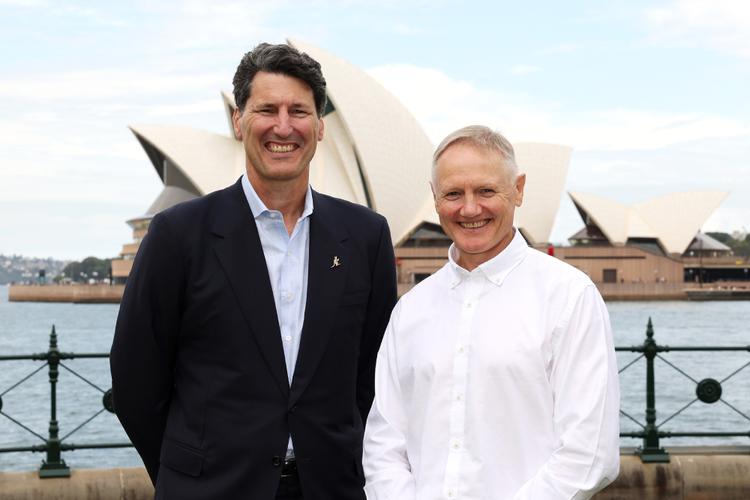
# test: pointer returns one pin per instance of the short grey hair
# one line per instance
(483, 138)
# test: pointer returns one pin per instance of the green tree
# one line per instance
(88, 268)
(725, 238)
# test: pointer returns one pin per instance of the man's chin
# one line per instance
(282, 173)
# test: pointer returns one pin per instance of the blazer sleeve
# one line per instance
(143, 350)
(380, 305)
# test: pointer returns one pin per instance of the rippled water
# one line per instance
(25, 328)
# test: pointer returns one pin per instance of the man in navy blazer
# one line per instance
(244, 352)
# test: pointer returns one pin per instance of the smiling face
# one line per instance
(279, 128)
(475, 198)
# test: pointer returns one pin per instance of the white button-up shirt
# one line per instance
(500, 383)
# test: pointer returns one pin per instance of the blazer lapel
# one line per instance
(238, 249)
(327, 268)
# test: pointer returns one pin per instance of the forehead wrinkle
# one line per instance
(502, 164)
(457, 180)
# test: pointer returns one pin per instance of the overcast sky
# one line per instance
(652, 96)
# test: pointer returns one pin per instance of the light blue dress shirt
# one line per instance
(287, 262)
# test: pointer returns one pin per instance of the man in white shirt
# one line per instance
(497, 377)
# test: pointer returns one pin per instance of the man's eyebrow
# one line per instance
(301, 104)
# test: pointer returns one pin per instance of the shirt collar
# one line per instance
(259, 208)
(497, 268)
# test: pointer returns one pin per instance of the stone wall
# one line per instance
(91, 294)
(694, 476)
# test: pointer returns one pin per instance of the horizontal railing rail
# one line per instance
(53, 445)
(707, 390)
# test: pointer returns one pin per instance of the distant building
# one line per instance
(666, 225)
(656, 241)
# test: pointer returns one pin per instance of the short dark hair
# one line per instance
(283, 59)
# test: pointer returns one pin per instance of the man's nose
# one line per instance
(283, 126)
(470, 207)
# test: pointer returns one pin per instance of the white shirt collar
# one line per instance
(497, 268)
(257, 206)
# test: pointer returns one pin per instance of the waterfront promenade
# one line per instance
(77, 294)
(691, 474)
(112, 294)
(704, 472)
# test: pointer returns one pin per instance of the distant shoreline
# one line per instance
(611, 292)
(78, 294)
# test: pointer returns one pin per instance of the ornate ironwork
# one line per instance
(53, 464)
(708, 391)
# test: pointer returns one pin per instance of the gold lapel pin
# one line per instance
(336, 261)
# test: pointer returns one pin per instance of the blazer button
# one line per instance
(276, 461)
(293, 409)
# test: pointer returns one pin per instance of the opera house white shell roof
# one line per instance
(673, 219)
(374, 153)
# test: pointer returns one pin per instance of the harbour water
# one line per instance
(88, 328)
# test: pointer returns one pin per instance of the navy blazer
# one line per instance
(198, 372)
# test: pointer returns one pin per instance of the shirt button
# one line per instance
(459, 397)
(451, 494)
(456, 445)
(461, 349)
(288, 338)
(469, 304)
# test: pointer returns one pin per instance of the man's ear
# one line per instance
(236, 115)
(434, 195)
(520, 184)
(321, 127)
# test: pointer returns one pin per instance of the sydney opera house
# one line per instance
(375, 153)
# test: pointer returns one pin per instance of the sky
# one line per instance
(652, 96)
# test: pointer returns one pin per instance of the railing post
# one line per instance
(650, 451)
(54, 465)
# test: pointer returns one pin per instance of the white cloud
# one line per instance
(728, 219)
(441, 104)
(524, 69)
(28, 139)
(202, 25)
(407, 29)
(564, 48)
(58, 230)
(91, 15)
(723, 25)
(23, 3)
(103, 84)
(202, 106)
(623, 129)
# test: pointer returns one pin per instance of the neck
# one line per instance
(470, 261)
(286, 196)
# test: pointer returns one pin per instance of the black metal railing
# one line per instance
(53, 445)
(707, 390)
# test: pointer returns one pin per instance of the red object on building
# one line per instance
(551, 250)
